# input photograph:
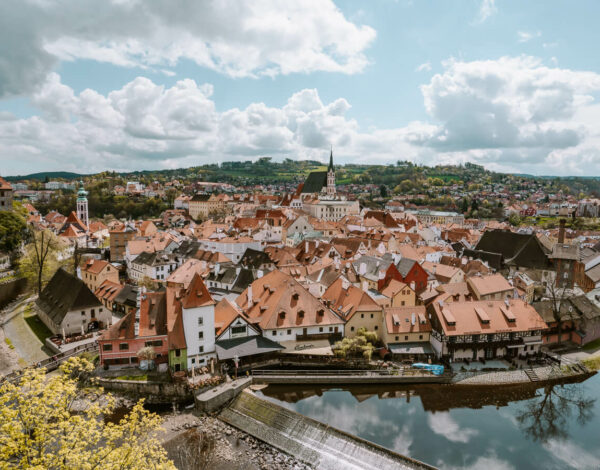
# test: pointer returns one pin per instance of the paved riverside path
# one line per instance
(407, 376)
(26, 343)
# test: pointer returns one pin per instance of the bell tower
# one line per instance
(331, 176)
(82, 205)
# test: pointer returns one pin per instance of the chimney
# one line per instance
(561, 231)
(306, 246)
(412, 285)
(217, 268)
(362, 269)
(250, 295)
(413, 319)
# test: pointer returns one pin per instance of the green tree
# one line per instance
(12, 230)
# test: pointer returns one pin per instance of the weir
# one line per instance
(310, 441)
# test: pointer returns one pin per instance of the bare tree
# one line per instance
(548, 417)
(40, 257)
(562, 310)
(194, 450)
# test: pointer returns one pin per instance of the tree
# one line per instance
(52, 422)
(547, 417)
(560, 310)
(12, 230)
(514, 219)
(383, 191)
(40, 260)
(362, 344)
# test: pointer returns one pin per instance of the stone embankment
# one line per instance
(530, 375)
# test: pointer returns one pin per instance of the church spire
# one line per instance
(331, 176)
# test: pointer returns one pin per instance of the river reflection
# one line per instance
(499, 428)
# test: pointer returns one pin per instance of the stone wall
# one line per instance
(10, 290)
(153, 392)
(215, 398)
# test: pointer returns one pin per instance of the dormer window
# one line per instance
(281, 315)
(301, 314)
(295, 296)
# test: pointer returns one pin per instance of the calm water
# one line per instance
(555, 427)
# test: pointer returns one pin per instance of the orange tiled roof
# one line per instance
(279, 301)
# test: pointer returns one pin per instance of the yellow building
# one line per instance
(398, 294)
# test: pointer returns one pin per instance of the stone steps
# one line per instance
(531, 374)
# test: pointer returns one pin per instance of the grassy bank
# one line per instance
(37, 326)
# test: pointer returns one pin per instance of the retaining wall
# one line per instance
(153, 392)
(215, 398)
(10, 290)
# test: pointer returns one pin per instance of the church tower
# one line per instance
(331, 176)
(82, 205)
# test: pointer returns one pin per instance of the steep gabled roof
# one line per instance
(517, 249)
(65, 293)
(315, 181)
(197, 294)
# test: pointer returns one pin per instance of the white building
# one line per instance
(198, 313)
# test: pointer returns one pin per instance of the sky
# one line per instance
(87, 86)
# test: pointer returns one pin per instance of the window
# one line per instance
(362, 315)
(123, 346)
(406, 338)
(178, 353)
(107, 347)
(99, 310)
(376, 327)
(289, 332)
(83, 314)
(371, 315)
(274, 333)
(201, 349)
(201, 335)
(93, 312)
(420, 336)
(200, 321)
(157, 342)
(351, 328)
(320, 329)
(397, 338)
(330, 328)
(238, 330)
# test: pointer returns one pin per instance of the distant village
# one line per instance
(229, 277)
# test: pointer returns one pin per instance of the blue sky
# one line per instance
(511, 84)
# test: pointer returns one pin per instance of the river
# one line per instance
(501, 428)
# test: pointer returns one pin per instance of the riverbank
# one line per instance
(204, 442)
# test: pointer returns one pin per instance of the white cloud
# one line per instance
(403, 441)
(510, 114)
(424, 67)
(486, 9)
(488, 462)
(513, 103)
(572, 455)
(444, 425)
(234, 37)
(526, 36)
